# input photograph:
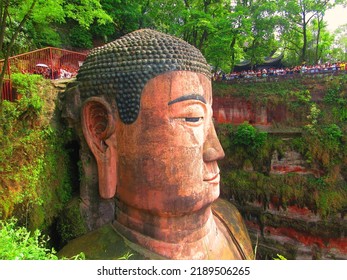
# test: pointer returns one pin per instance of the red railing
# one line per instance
(51, 63)
(7, 92)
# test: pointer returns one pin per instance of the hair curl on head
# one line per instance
(123, 67)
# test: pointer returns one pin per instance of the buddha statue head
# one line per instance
(146, 116)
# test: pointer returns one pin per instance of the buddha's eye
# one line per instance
(193, 120)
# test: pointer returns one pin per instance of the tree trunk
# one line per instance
(232, 47)
(316, 58)
(203, 38)
(304, 45)
(2, 75)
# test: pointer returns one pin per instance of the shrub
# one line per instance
(333, 96)
(303, 96)
(247, 136)
(34, 175)
(17, 243)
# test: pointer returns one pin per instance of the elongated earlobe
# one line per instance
(98, 127)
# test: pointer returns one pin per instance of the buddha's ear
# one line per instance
(98, 125)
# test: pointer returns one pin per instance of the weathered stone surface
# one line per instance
(298, 236)
(293, 230)
(104, 243)
(291, 162)
(142, 109)
(108, 242)
(237, 110)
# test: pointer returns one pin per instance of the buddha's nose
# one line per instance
(212, 150)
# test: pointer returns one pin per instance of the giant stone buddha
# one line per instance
(146, 116)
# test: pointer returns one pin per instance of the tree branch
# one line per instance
(20, 26)
(3, 17)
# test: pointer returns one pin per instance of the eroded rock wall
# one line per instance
(293, 230)
(236, 110)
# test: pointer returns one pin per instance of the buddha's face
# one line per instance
(167, 159)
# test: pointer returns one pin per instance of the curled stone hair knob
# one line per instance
(130, 61)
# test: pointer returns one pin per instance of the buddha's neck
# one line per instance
(193, 236)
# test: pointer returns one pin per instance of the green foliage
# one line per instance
(320, 195)
(303, 96)
(335, 99)
(244, 146)
(313, 116)
(43, 35)
(80, 37)
(126, 256)
(333, 133)
(26, 84)
(34, 16)
(17, 243)
(224, 135)
(246, 173)
(340, 43)
(329, 200)
(301, 36)
(324, 144)
(278, 92)
(70, 223)
(86, 12)
(247, 136)
(34, 182)
(340, 114)
(225, 33)
(333, 96)
(280, 258)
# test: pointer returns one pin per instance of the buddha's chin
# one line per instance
(209, 197)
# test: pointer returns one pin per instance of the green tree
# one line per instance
(261, 41)
(127, 16)
(249, 137)
(198, 18)
(16, 14)
(297, 19)
(339, 51)
(172, 22)
(239, 27)
(321, 41)
(238, 31)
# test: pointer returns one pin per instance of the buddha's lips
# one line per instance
(214, 179)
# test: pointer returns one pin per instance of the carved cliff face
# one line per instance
(147, 119)
(167, 158)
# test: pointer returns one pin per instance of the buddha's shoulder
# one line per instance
(104, 243)
(232, 219)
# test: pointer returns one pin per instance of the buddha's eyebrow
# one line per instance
(188, 97)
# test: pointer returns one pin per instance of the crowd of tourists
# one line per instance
(272, 72)
(64, 72)
(69, 72)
